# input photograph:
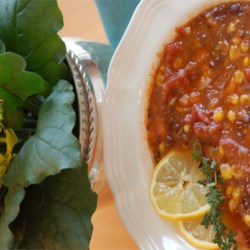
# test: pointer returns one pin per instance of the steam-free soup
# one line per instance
(201, 92)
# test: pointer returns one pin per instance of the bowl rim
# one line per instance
(122, 77)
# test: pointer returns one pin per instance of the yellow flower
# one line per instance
(9, 138)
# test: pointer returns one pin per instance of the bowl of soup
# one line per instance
(180, 76)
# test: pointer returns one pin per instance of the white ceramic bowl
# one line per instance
(126, 156)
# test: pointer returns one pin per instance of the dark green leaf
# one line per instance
(53, 72)
(29, 28)
(53, 147)
(16, 84)
(58, 212)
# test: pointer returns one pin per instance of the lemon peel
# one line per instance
(197, 234)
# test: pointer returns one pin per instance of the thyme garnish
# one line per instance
(224, 237)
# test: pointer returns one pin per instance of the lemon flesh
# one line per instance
(197, 234)
(174, 188)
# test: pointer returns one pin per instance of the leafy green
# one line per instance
(57, 213)
(16, 84)
(53, 147)
(10, 211)
(223, 237)
(29, 28)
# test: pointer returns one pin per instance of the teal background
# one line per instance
(115, 15)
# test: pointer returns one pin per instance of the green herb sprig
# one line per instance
(224, 237)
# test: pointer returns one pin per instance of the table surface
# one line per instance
(81, 19)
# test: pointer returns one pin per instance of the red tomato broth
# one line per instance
(200, 91)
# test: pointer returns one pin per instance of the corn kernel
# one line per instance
(246, 61)
(221, 150)
(244, 46)
(244, 99)
(226, 171)
(236, 194)
(186, 128)
(229, 191)
(238, 76)
(234, 99)
(246, 219)
(232, 205)
(231, 27)
(231, 115)
(234, 53)
(218, 115)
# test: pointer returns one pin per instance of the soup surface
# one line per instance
(201, 92)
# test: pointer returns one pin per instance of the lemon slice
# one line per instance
(197, 234)
(174, 189)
